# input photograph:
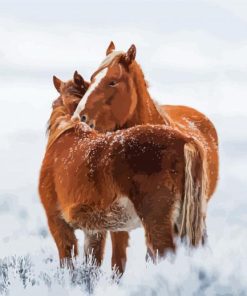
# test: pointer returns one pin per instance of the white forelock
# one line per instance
(110, 57)
(91, 88)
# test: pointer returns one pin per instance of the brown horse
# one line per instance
(146, 175)
(67, 105)
(118, 98)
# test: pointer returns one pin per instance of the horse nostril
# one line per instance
(84, 118)
(92, 125)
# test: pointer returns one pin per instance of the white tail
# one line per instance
(192, 226)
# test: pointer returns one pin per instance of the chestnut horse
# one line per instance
(150, 175)
(66, 105)
(118, 98)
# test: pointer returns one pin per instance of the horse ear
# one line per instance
(110, 48)
(78, 80)
(57, 83)
(130, 55)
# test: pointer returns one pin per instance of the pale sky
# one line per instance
(192, 52)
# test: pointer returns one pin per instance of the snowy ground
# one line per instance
(199, 60)
(221, 267)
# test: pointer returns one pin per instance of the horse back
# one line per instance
(149, 159)
(81, 170)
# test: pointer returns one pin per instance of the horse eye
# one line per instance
(113, 83)
(84, 118)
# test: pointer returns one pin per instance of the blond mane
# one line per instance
(58, 123)
(53, 122)
(108, 60)
(150, 106)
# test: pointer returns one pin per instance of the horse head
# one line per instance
(111, 98)
(70, 92)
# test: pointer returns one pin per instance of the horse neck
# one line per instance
(146, 110)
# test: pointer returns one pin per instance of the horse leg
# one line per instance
(94, 245)
(119, 245)
(156, 216)
(159, 237)
(61, 231)
(65, 239)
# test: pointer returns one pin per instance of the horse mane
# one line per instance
(57, 113)
(142, 91)
(60, 122)
(111, 58)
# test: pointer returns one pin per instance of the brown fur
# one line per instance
(84, 176)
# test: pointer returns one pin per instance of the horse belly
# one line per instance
(120, 216)
(127, 218)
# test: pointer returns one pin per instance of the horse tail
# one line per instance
(192, 226)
